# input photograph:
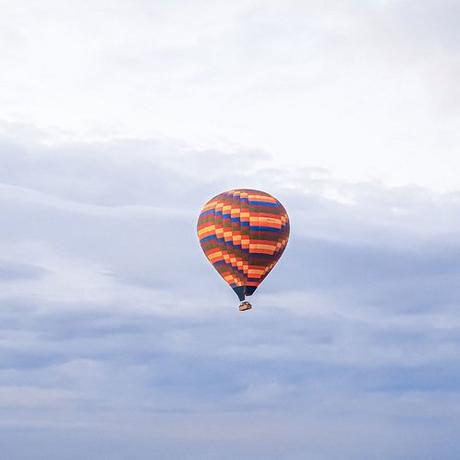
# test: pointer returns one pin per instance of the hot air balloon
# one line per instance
(243, 233)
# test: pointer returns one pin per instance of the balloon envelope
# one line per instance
(243, 233)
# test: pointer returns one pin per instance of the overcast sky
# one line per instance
(118, 120)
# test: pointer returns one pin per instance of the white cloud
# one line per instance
(366, 90)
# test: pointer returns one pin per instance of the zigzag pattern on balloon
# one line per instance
(243, 233)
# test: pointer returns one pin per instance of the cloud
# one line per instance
(116, 333)
(10, 271)
(365, 90)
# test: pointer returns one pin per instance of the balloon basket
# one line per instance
(245, 306)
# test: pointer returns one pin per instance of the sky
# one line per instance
(119, 120)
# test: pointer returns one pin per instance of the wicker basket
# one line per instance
(245, 306)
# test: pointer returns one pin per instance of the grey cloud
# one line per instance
(9, 271)
(121, 334)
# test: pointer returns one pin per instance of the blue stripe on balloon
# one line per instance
(209, 238)
(265, 229)
(261, 255)
(207, 213)
(264, 203)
